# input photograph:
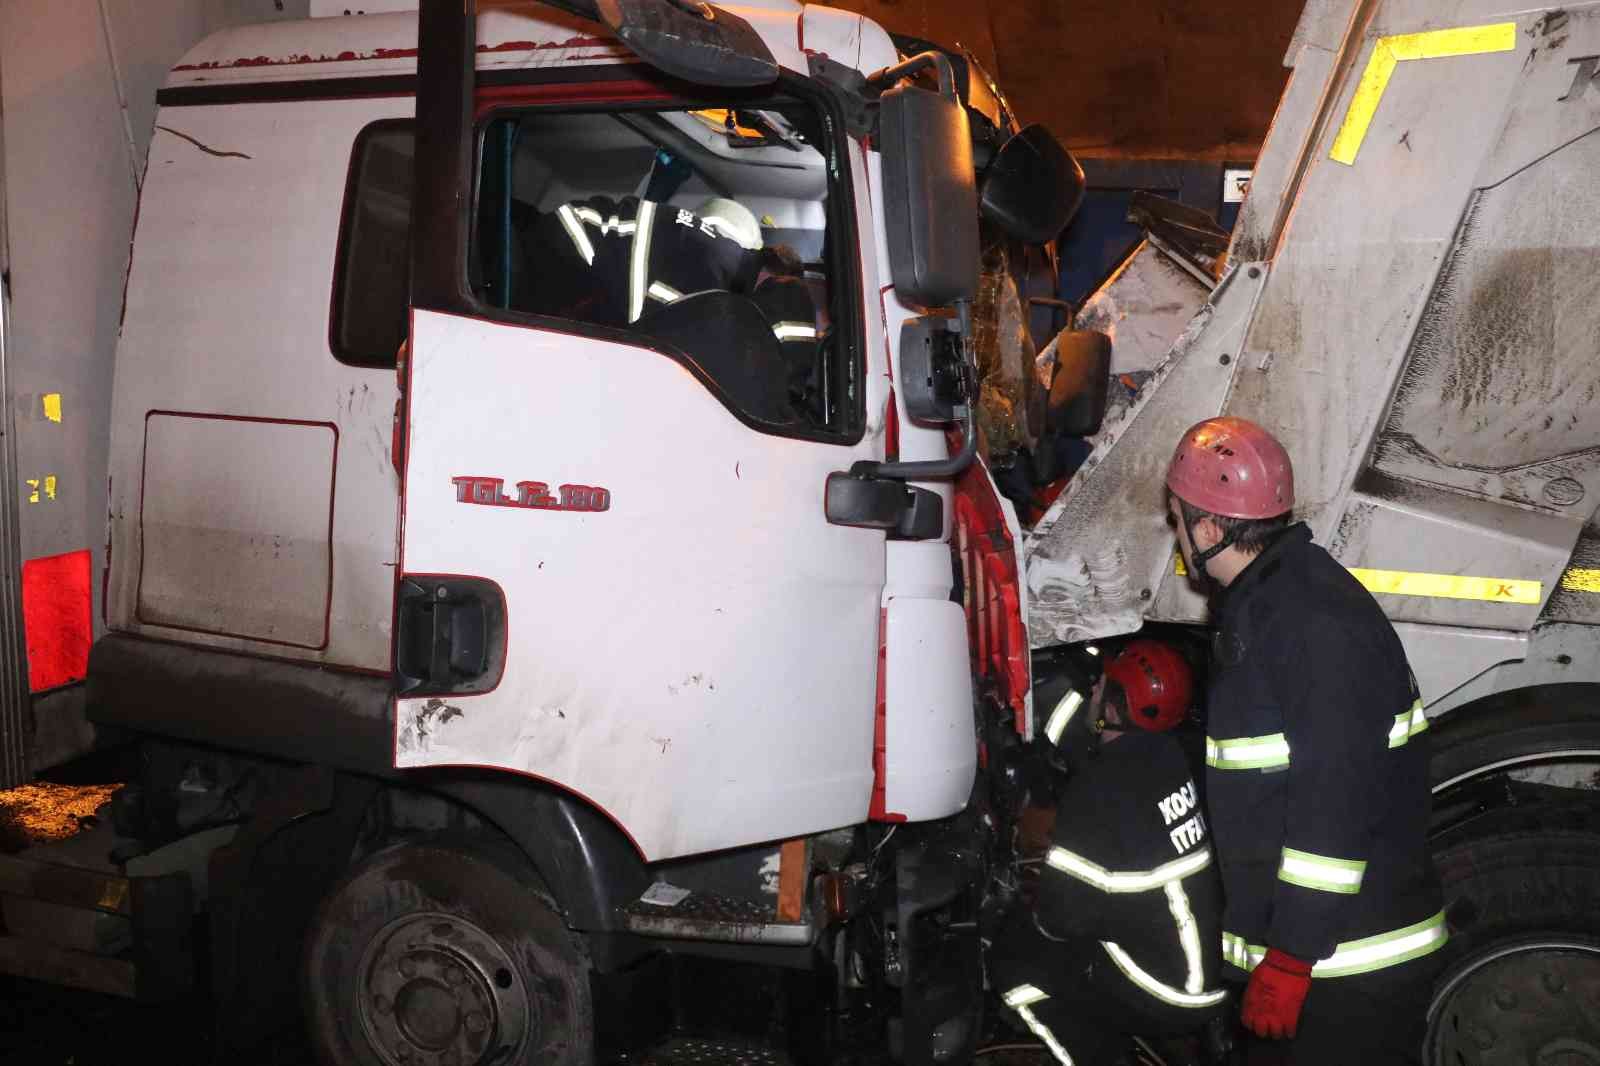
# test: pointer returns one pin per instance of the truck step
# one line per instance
(679, 914)
(74, 917)
(697, 1051)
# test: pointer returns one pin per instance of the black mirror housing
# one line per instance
(905, 512)
(930, 209)
(1033, 188)
(931, 378)
(1078, 391)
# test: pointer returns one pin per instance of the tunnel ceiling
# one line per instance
(1122, 78)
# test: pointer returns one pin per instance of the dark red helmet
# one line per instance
(1234, 468)
(1156, 683)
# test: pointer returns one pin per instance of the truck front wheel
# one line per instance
(445, 952)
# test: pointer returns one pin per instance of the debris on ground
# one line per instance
(42, 812)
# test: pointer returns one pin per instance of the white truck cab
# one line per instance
(516, 435)
(548, 534)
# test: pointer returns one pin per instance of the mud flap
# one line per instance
(265, 886)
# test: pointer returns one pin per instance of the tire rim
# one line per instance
(1516, 762)
(1534, 1002)
(436, 990)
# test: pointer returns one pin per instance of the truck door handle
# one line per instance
(449, 635)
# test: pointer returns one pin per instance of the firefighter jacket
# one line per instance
(1131, 866)
(791, 309)
(1316, 779)
(610, 261)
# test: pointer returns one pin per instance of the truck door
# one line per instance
(631, 370)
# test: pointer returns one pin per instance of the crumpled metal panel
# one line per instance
(1143, 308)
(1082, 583)
(1109, 526)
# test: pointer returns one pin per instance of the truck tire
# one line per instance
(1521, 882)
(445, 952)
(1513, 729)
(1522, 976)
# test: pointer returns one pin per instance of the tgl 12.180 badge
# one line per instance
(531, 495)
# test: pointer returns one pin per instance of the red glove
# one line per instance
(1273, 998)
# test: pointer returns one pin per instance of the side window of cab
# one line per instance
(371, 275)
(709, 233)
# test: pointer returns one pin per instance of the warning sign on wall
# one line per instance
(1235, 183)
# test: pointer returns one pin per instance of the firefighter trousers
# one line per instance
(1083, 1010)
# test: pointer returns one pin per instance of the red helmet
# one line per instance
(1233, 468)
(1156, 682)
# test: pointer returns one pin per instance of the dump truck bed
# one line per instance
(1404, 305)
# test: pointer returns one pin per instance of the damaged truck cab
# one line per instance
(543, 496)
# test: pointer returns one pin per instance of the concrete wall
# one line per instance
(77, 85)
(1169, 79)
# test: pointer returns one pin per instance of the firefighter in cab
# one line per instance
(1121, 936)
(1316, 770)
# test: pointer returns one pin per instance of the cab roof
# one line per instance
(512, 35)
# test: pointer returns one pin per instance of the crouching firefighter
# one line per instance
(1122, 936)
(1316, 778)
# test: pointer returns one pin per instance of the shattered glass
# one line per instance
(1011, 405)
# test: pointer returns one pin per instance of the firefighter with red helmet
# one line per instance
(1316, 780)
(1153, 684)
(1121, 937)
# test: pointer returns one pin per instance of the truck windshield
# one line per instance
(704, 230)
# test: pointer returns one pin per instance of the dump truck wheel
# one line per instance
(445, 952)
(1522, 977)
(1526, 1000)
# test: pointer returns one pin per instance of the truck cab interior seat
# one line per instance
(731, 342)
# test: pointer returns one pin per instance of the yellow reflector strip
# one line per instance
(1581, 579)
(1357, 956)
(1387, 54)
(1450, 586)
(1455, 586)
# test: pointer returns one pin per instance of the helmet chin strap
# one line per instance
(1201, 558)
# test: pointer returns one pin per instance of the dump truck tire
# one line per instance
(445, 952)
(1522, 976)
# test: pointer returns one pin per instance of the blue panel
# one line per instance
(1099, 238)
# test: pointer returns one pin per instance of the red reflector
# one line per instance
(891, 429)
(56, 619)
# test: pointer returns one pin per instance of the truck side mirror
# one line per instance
(1078, 390)
(1033, 188)
(905, 512)
(930, 196)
